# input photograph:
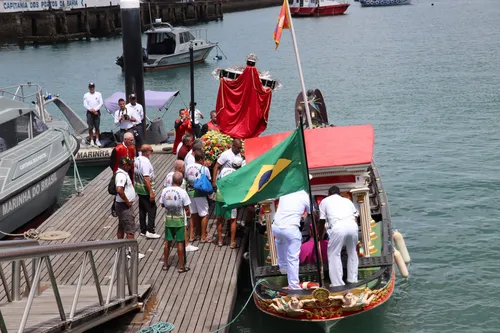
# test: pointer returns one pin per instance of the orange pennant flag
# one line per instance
(283, 23)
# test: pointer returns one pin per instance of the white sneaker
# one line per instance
(152, 235)
(97, 142)
(142, 234)
(141, 255)
(191, 248)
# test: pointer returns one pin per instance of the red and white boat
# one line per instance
(317, 8)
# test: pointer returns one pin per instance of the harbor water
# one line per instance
(427, 76)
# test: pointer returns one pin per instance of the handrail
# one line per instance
(55, 249)
(125, 271)
(18, 243)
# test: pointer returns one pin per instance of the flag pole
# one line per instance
(297, 58)
(317, 248)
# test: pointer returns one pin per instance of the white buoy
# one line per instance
(399, 242)
(401, 264)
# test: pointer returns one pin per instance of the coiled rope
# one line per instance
(163, 327)
(36, 235)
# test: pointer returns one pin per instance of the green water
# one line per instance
(427, 77)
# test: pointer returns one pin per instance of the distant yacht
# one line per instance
(317, 8)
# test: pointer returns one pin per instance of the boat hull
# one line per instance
(328, 310)
(383, 3)
(337, 9)
(31, 177)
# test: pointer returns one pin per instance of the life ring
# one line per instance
(309, 285)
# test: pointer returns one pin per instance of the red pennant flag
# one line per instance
(283, 23)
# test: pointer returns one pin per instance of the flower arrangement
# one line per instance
(215, 143)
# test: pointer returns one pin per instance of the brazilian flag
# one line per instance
(282, 170)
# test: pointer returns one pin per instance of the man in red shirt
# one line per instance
(187, 144)
(124, 149)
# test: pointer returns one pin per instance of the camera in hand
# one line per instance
(126, 117)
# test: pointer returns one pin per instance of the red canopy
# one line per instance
(326, 147)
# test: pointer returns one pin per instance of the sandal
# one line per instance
(165, 267)
(183, 270)
(220, 244)
(234, 246)
(206, 240)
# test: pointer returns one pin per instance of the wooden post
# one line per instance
(361, 196)
(86, 23)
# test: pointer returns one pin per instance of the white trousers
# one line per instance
(340, 234)
(288, 241)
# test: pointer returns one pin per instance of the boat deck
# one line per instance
(200, 300)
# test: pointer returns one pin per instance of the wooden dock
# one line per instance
(200, 300)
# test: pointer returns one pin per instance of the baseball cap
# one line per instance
(131, 96)
(125, 161)
(237, 161)
(91, 84)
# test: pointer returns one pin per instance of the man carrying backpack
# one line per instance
(199, 202)
(124, 149)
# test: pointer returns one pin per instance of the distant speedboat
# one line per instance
(380, 3)
(168, 47)
(317, 8)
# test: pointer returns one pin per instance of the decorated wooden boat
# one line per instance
(341, 156)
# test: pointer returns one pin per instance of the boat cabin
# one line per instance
(164, 39)
(17, 123)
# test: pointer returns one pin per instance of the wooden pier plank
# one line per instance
(196, 301)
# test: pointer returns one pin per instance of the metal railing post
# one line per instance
(3, 327)
(35, 285)
(26, 275)
(78, 286)
(96, 278)
(29, 302)
(5, 285)
(113, 274)
(120, 274)
(16, 281)
(53, 282)
(134, 270)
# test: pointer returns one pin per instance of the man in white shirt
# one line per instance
(225, 159)
(143, 184)
(137, 129)
(287, 234)
(199, 202)
(197, 116)
(124, 200)
(197, 147)
(124, 117)
(176, 202)
(340, 214)
(92, 102)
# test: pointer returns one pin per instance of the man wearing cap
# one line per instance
(222, 213)
(287, 234)
(197, 116)
(92, 101)
(137, 129)
(124, 200)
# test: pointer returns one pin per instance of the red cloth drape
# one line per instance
(180, 130)
(243, 105)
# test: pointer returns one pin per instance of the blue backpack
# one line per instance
(202, 184)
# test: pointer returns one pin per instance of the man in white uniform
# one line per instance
(287, 234)
(124, 117)
(225, 159)
(199, 202)
(137, 129)
(92, 102)
(340, 214)
(197, 116)
(197, 147)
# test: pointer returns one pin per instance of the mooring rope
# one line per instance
(36, 235)
(76, 173)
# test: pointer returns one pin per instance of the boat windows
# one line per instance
(185, 37)
(17, 130)
(161, 43)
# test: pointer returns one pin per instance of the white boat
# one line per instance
(168, 47)
(34, 158)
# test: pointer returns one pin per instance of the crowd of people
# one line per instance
(186, 210)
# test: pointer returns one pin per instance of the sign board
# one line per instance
(13, 6)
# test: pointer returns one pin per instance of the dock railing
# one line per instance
(42, 254)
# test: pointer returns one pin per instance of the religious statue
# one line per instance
(294, 306)
(349, 300)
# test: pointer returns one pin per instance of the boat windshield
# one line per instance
(19, 129)
(161, 43)
(186, 37)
